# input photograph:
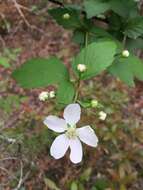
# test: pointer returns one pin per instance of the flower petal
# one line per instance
(76, 150)
(72, 113)
(87, 135)
(59, 146)
(56, 124)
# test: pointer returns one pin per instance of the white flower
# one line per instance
(52, 94)
(125, 53)
(43, 96)
(66, 16)
(102, 115)
(72, 135)
(81, 67)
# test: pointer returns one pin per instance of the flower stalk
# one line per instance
(79, 79)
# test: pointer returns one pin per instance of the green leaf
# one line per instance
(97, 57)
(94, 34)
(78, 37)
(115, 23)
(124, 8)
(40, 72)
(74, 20)
(101, 184)
(4, 62)
(51, 184)
(95, 7)
(126, 69)
(99, 32)
(74, 186)
(65, 93)
(134, 44)
(134, 28)
(85, 103)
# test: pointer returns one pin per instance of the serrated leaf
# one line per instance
(97, 57)
(126, 69)
(65, 93)
(124, 8)
(134, 28)
(115, 23)
(134, 44)
(95, 7)
(40, 72)
(73, 22)
(94, 34)
(99, 32)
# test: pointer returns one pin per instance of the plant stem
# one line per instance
(79, 80)
(124, 41)
(86, 39)
(77, 90)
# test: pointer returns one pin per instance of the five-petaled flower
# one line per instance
(72, 136)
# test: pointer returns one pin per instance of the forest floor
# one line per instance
(25, 163)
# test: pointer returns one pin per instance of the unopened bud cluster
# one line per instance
(43, 96)
(81, 67)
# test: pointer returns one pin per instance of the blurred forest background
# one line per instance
(26, 31)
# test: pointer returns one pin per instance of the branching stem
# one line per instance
(79, 79)
(77, 90)
(124, 41)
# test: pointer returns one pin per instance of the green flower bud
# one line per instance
(66, 16)
(94, 103)
(125, 53)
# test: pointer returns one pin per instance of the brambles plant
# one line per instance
(108, 32)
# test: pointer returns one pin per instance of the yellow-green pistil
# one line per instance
(71, 132)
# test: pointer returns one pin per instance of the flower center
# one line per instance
(71, 133)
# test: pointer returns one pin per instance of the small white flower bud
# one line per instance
(102, 115)
(52, 94)
(43, 96)
(66, 16)
(81, 67)
(11, 140)
(94, 103)
(125, 53)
